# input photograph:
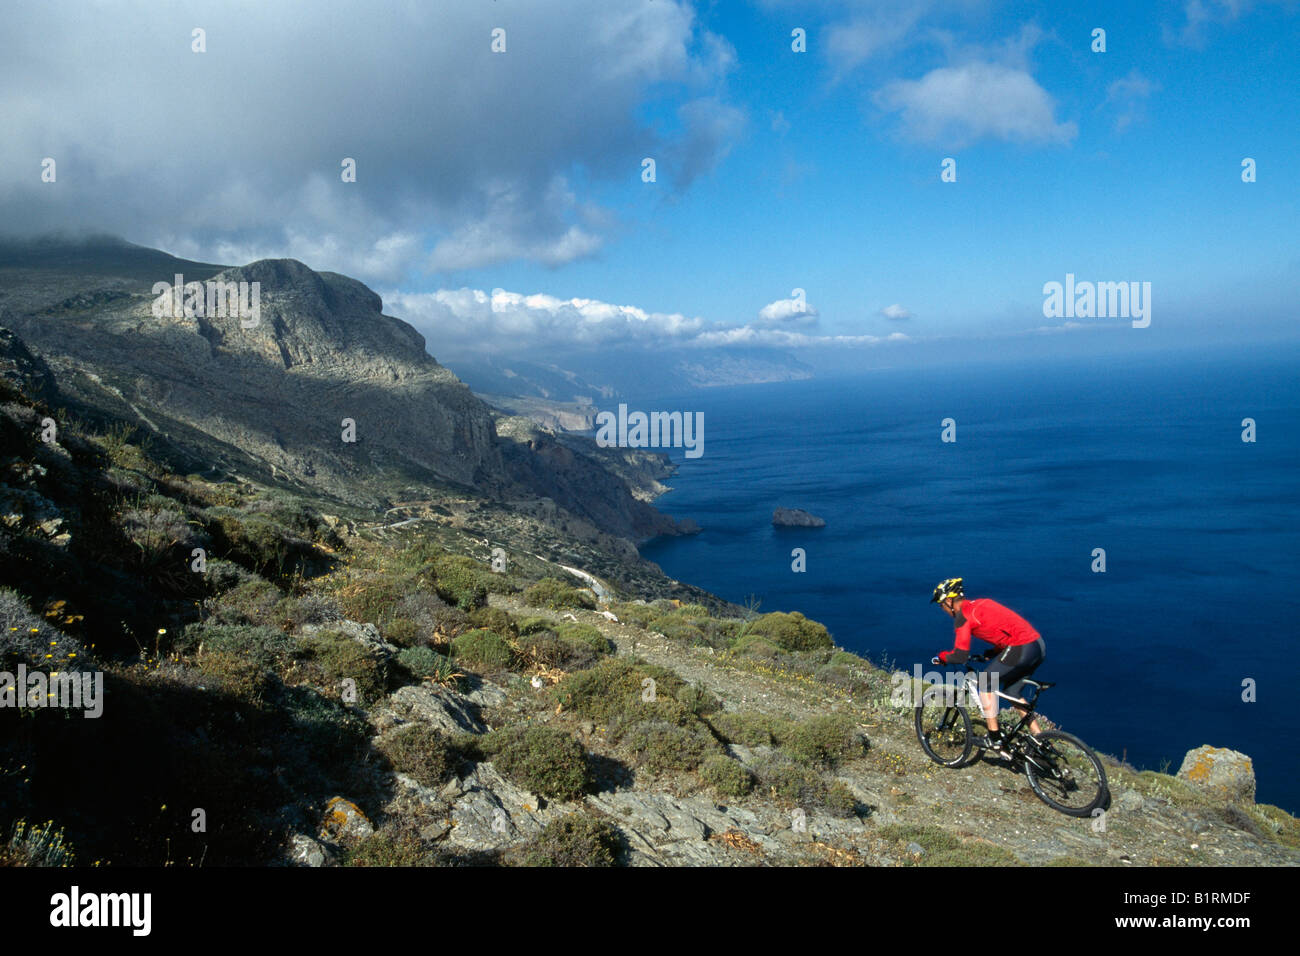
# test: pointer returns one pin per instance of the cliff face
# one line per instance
(238, 394)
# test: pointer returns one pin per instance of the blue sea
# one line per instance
(1140, 456)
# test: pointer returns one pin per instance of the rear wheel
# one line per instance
(945, 733)
(1065, 773)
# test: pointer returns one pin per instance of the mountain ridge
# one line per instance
(281, 391)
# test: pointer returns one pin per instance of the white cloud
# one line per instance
(788, 310)
(960, 104)
(895, 311)
(880, 29)
(473, 155)
(1128, 95)
(1199, 15)
(781, 338)
(470, 321)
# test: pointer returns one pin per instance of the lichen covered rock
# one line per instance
(1221, 773)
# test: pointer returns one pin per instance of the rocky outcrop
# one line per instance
(1221, 773)
(23, 372)
(796, 518)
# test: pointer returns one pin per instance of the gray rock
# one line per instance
(365, 634)
(439, 707)
(486, 694)
(1225, 774)
(796, 518)
(304, 851)
(1130, 800)
(493, 813)
(916, 849)
(435, 830)
(343, 821)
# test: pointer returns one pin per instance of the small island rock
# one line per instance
(796, 518)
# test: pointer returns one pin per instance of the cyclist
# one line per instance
(1017, 651)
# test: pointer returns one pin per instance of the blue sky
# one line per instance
(846, 204)
(521, 171)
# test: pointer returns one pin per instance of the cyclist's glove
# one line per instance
(953, 657)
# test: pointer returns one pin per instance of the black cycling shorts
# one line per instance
(1015, 663)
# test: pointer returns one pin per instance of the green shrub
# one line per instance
(256, 541)
(661, 747)
(253, 601)
(424, 662)
(545, 760)
(460, 580)
(402, 631)
(839, 800)
(306, 609)
(583, 635)
(792, 632)
(450, 621)
(390, 848)
(845, 659)
(222, 575)
(727, 776)
(494, 619)
(642, 615)
(796, 785)
(693, 611)
(264, 646)
(331, 736)
(543, 647)
(754, 645)
(823, 740)
(532, 625)
(482, 648)
(341, 658)
(687, 634)
(698, 700)
(576, 839)
(555, 594)
(749, 728)
(613, 692)
(241, 676)
(422, 753)
(373, 599)
(1276, 824)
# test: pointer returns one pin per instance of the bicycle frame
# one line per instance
(971, 688)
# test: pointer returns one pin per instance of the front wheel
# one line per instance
(1065, 773)
(944, 733)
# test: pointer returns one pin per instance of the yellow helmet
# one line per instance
(950, 588)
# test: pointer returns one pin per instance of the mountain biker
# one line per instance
(1017, 651)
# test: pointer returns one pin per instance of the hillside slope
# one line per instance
(270, 401)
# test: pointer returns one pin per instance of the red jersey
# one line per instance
(990, 621)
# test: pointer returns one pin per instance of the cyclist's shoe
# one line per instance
(994, 743)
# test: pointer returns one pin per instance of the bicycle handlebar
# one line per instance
(966, 663)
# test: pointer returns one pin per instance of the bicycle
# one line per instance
(1063, 771)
